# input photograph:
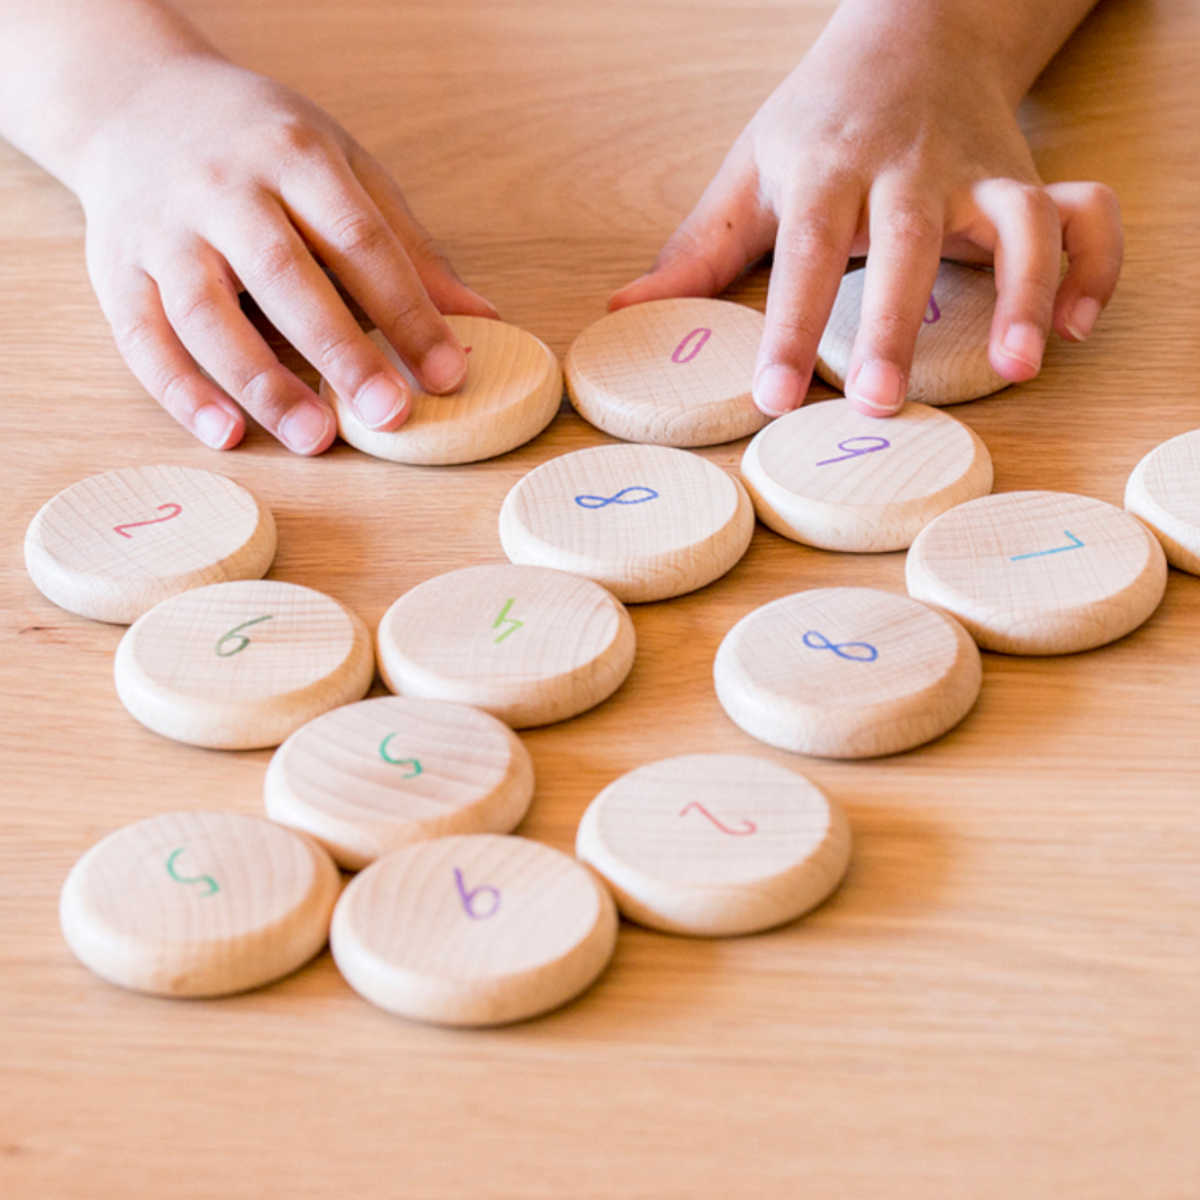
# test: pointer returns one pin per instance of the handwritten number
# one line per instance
(176, 509)
(879, 443)
(589, 501)
(818, 641)
(748, 826)
(1074, 544)
(468, 898)
(504, 619)
(682, 354)
(208, 879)
(241, 638)
(933, 314)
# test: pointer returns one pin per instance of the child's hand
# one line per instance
(902, 141)
(209, 179)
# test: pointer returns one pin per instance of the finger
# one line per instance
(728, 229)
(199, 299)
(1094, 242)
(811, 251)
(1027, 259)
(902, 263)
(446, 289)
(345, 229)
(163, 366)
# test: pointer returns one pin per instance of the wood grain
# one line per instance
(1011, 960)
(846, 673)
(830, 477)
(675, 372)
(1039, 572)
(473, 930)
(1164, 490)
(113, 545)
(512, 391)
(950, 363)
(715, 844)
(645, 522)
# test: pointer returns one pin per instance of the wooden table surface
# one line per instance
(1003, 998)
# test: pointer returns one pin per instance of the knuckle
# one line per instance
(358, 233)
(134, 334)
(410, 322)
(1035, 203)
(910, 226)
(273, 260)
(263, 392)
(812, 237)
(342, 359)
(795, 329)
(293, 135)
(173, 391)
(193, 305)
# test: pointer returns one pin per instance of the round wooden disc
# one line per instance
(370, 777)
(527, 644)
(647, 522)
(235, 666)
(831, 477)
(473, 930)
(1164, 490)
(951, 360)
(513, 389)
(847, 673)
(198, 904)
(1039, 572)
(675, 372)
(113, 545)
(715, 844)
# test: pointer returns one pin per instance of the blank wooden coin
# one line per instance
(831, 477)
(951, 360)
(512, 391)
(675, 372)
(715, 844)
(236, 666)
(647, 522)
(1164, 490)
(198, 904)
(113, 545)
(368, 778)
(1039, 572)
(473, 930)
(527, 644)
(847, 673)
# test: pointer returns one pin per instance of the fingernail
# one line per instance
(304, 427)
(778, 389)
(443, 368)
(1025, 343)
(380, 402)
(212, 425)
(1083, 316)
(878, 386)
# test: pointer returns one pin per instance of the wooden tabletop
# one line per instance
(1003, 998)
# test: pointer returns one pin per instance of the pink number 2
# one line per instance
(684, 353)
(748, 826)
(176, 509)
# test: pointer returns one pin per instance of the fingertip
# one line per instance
(1017, 356)
(308, 429)
(443, 369)
(218, 427)
(627, 295)
(383, 404)
(778, 389)
(876, 388)
(1079, 318)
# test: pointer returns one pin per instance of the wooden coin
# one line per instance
(831, 477)
(513, 389)
(113, 545)
(951, 360)
(1039, 572)
(473, 930)
(847, 673)
(675, 372)
(235, 666)
(198, 904)
(647, 522)
(367, 778)
(527, 644)
(1164, 490)
(715, 844)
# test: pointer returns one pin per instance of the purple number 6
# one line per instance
(468, 897)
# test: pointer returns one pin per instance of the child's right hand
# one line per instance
(209, 180)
